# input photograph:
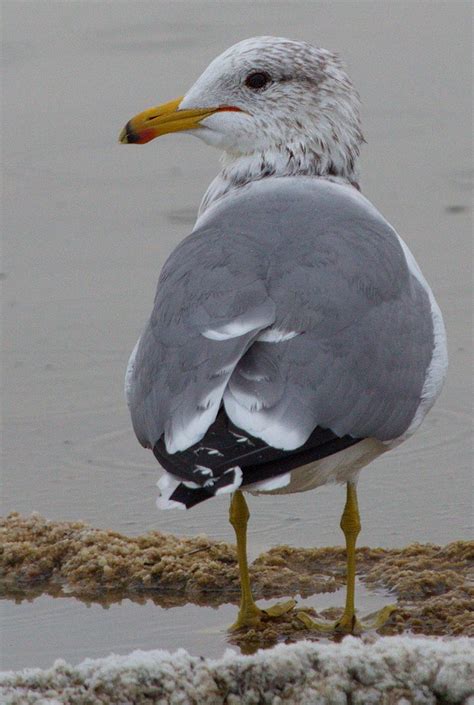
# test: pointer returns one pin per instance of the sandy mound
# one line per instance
(432, 586)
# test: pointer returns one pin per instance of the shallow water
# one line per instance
(37, 633)
(89, 223)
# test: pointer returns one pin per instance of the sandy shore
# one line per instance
(431, 585)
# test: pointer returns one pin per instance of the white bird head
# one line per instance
(274, 106)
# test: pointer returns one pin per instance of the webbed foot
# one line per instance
(252, 616)
(348, 623)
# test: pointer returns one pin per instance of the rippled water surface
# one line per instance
(89, 223)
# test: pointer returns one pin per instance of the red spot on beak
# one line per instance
(145, 136)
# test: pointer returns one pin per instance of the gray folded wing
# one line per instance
(210, 303)
(293, 302)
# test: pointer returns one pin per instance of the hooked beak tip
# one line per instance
(128, 136)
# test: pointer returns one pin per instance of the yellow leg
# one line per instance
(249, 614)
(350, 524)
(348, 623)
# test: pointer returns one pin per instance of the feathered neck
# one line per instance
(313, 158)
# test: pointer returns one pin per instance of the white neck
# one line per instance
(289, 160)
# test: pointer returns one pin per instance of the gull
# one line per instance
(293, 338)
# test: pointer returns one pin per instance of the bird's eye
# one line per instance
(257, 80)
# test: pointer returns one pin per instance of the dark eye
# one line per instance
(257, 80)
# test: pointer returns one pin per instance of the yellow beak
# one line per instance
(163, 119)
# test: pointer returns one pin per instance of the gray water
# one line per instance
(88, 224)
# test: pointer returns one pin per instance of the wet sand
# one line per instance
(89, 223)
(430, 586)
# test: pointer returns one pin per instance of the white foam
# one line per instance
(421, 670)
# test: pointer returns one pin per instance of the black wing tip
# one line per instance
(228, 482)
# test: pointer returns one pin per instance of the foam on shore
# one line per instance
(395, 670)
